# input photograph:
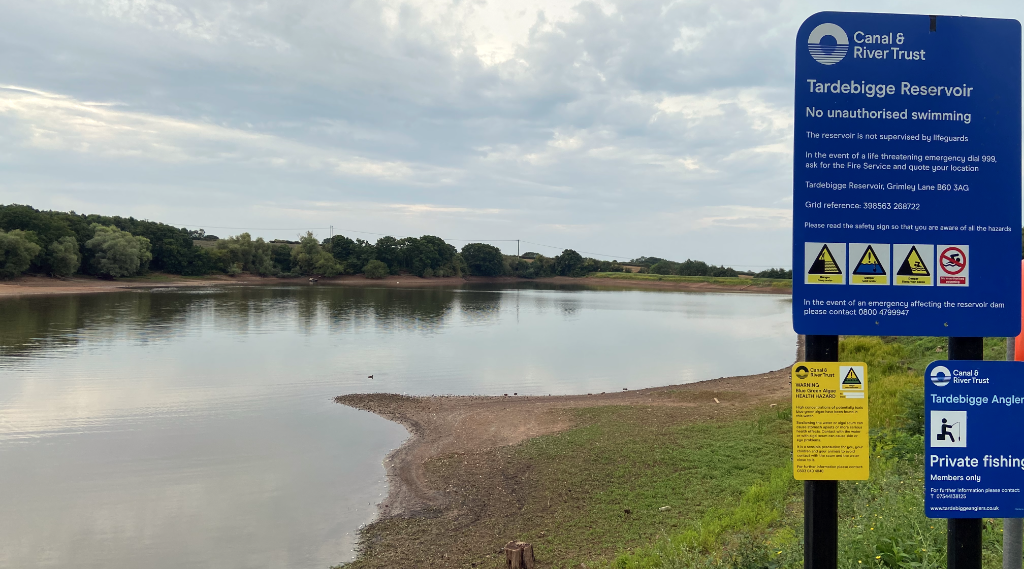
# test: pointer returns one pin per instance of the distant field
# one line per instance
(737, 281)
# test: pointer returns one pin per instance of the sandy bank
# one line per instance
(40, 285)
(446, 425)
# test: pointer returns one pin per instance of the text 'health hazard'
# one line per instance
(884, 264)
(974, 455)
(830, 421)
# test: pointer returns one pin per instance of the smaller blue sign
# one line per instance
(974, 451)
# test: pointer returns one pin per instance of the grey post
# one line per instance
(1013, 528)
(821, 497)
(963, 535)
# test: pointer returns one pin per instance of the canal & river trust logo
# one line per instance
(831, 51)
(940, 376)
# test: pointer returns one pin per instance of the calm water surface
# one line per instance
(195, 428)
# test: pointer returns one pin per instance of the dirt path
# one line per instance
(446, 425)
(28, 285)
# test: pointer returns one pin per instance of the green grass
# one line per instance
(881, 520)
(585, 495)
(693, 469)
(771, 283)
(727, 481)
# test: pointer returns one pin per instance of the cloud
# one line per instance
(53, 122)
(739, 216)
(598, 125)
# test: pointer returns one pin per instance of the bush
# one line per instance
(375, 270)
(118, 253)
(64, 257)
(662, 268)
(779, 273)
(16, 253)
(309, 258)
(569, 264)
(484, 260)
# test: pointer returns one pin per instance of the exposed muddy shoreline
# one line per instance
(32, 285)
(453, 425)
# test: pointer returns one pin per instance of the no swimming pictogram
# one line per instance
(953, 265)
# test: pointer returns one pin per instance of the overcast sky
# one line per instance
(621, 128)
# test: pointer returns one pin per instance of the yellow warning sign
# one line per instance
(870, 269)
(830, 421)
(915, 267)
(851, 381)
(824, 269)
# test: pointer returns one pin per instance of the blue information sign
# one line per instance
(974, 453)
(907, 176)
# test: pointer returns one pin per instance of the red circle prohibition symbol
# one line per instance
(957, 260)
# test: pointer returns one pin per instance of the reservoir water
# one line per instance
(195, 427)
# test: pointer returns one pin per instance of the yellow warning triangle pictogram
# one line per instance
(869, 258)
(851, 378)
(825, 263)
(913, 265)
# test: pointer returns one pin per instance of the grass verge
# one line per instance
(732, 281)
(881, 520)
(594, 496)
(627, 476)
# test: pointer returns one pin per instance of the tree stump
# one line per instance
(519, 555)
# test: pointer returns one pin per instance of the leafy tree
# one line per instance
(569, 264)
(341, 248)
(262, 259)
(375, 270)
(779, 273)
(172, 248)
(238, 250)
(312, 259)
(388, 251)
(16, 252)
(63, 257)
(118, 253)
(662, 268)
(456, 267)
(281, 256)
(430, 252)
(351, 254)
(484, 260)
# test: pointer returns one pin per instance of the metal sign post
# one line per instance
(821, 497)
(963, 535)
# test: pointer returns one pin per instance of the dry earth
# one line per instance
(445, 425)
(41, 285)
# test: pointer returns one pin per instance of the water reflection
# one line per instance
(195, 427)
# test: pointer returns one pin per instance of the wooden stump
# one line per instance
(519, 555)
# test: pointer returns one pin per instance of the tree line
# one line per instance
(691, 268)
(67, 243)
